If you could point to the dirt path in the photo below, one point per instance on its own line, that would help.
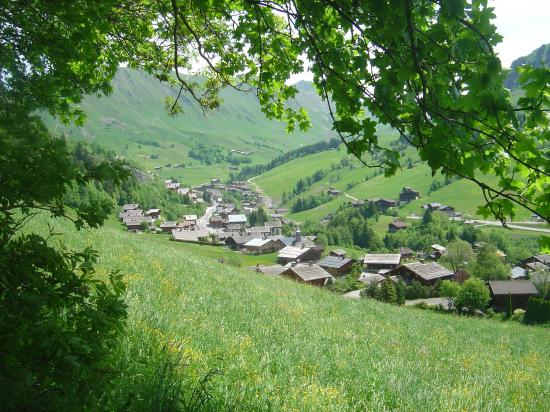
(267, 201)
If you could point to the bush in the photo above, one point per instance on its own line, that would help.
(538, 311)
(58, 324)
(473, 295)
(518, 315)
(449, 289)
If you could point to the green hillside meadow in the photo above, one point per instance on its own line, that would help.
(464, 195)
(135, 114)
(273, 344)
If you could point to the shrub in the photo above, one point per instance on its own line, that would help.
(473, 295)
(518, 315)
(387, 292)
(58, 324)
(538, 311)
(449, 289)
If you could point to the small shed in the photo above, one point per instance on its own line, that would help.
(519, 291)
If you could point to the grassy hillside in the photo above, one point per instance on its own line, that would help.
(279, 345)
(135, 114)
(465, 196)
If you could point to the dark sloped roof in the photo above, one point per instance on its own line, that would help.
(512, 287)
(308, 272)
(428, 271)
(333, 262)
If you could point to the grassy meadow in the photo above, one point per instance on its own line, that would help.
(464, 195)
(262, 343)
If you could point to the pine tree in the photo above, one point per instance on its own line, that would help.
(387, 292)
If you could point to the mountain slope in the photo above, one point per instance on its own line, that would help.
(134, 123)
(536, 58)
(279, 345)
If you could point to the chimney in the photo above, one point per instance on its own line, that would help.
(298, 236)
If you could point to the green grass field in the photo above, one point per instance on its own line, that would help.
(279, 345)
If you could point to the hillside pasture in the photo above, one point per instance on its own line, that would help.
(275, 344)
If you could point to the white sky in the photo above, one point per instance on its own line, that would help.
(524, 24)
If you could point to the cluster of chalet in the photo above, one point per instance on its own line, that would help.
(195, 193)
(227, 225)
(300, 259)
(241, 152)
(530, 266)
(135, 218)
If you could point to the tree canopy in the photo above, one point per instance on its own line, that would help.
(425, 67)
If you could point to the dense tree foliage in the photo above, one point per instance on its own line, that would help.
(473, 295)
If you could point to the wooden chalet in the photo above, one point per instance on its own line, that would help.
(376, 261)
(295, 253)
(216, 222)
(336, 266)
(236, 220)
(259, 246)
(154, 213)
(384, 204)
(333, 192)
(408, 195)
(438, 251)
(309, 273)
(135, 224)
(406, 253)
(518, 291)
(271, 270)
(396, 226)
(130, 206)
(275, 228)
(425, 273)
(338, 253)
(193, 236)
(237, 241)
(167, 227)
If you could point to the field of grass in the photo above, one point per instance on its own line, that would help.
(279, 345)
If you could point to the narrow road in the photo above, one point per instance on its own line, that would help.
(511, 226)
(351, 197)
(202, 222)
(518, 226)
(267, 201)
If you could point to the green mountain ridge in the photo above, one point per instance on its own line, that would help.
(536, 58)
(134, 123)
